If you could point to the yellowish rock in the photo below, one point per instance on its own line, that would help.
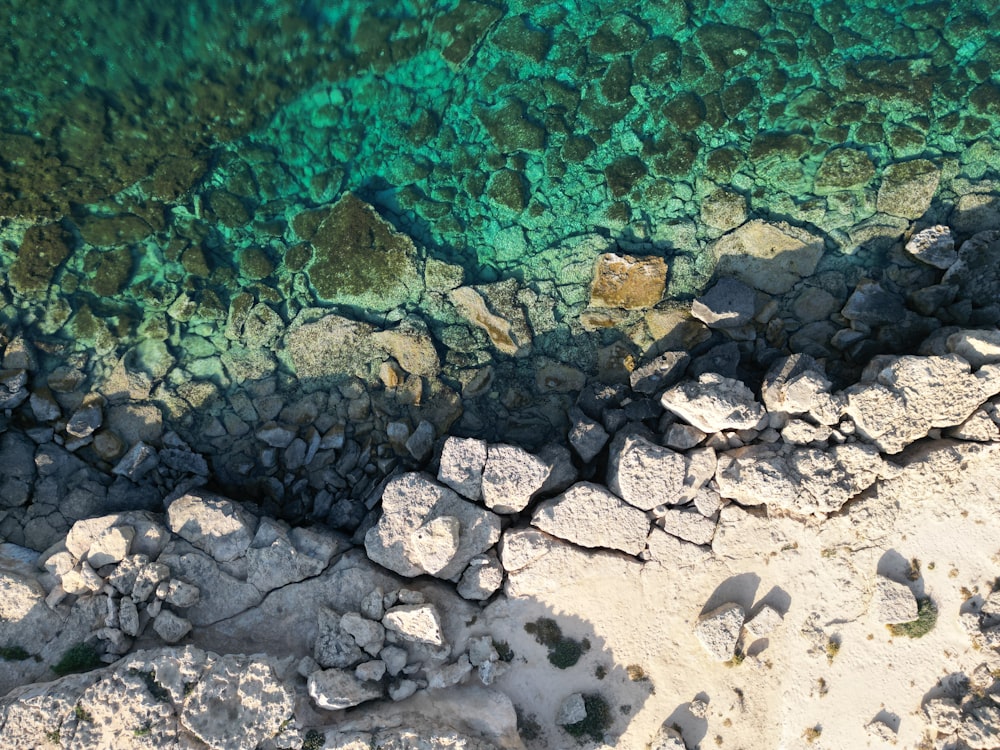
(624, 281)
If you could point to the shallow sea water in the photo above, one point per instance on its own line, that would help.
(155, 159)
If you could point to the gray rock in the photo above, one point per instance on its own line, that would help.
(871, 305)
(796, 385)
(401, 690)
(336, 689)
(87, 418)
(128, 616)
(17, 469)
(461, 468)
(586, 436)
(978, 348)
(728, 304)
(13, 388)
(719, 630)
(394, 658)
(419, 623)
(409, 502)
(714, 403)
(213, 524)
(369, 635)
(571, 710)
(644, 474)
(763, 623)
(278, 556)
(893, 602)
(590, 516)
(667, 738)
(421, 442)
(562, 472)
(147, 578)
(44, 405)
(511, 477)
(334, 647)
(137, 462)
(662, 372)
(682, 437)
(370, 671)
(934, 246)
(221, 595)
(111, 546)
(170, 627)
(181, 594)
(449, 674)
(482, 578)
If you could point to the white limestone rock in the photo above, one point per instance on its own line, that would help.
(719, 630)
(977, 347)
(336, 689)
(461, 466)
(482, 578)
(149, 539)
(571, 710)
(369, 635)
(111, 546)
(763, 623)
(409, 502)
(714, 403)
(912, 395)
(278, 555)
(511, 477)
(170, 627)
(689, 525)
(212, 523)
(728, 304)
(644, 474)
(419, 623)
(334, 646)
(521, 547)
(893, 602)
(588, 515)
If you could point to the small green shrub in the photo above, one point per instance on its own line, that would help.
(79, 658)
(53, 737)
(636, 673)
(13, 653)
(563, 652)
(314, 740)
(832, 649)
(144, 731)
(504, 651)
(597, 721)
(155, 689)
(527, 726)
(927, 614)
(812, 733)
(82, 714)
(601, 672)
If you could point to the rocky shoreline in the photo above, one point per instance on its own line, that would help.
(418, 614)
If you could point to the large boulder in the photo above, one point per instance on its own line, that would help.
(714, 403)
(408, 534)
(644, 474)
(911, 395)
(461, 466)
(213, 524)
(511, 477)
(907, 188)
(805, 481)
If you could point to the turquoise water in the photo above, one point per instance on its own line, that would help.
(167, 175)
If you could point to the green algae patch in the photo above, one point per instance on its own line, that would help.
(358, 259)
(597, 721)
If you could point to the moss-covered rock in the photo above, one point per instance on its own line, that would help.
(461, 30)
(843, 169)
(229, 209)
(108, 272)
(508, 188)
(686, 111)
(41, 252)
(358, 259)
(619, 34)
(617, 81)
(622, 174)
(726, 46)
(255, 264)
(907, 188)
(511, 128)
(520, 36)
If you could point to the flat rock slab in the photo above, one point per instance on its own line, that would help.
(415, 622)
(719, 630)
(625, 282)
(212, 523)
(411, 501)
(728, 304)
(588, 515)
(769, 257)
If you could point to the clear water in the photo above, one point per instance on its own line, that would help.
(166, 150)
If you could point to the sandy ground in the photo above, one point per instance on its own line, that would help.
(942, 512)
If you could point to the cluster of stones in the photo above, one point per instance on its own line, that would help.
(395, 645)
(965, 709)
